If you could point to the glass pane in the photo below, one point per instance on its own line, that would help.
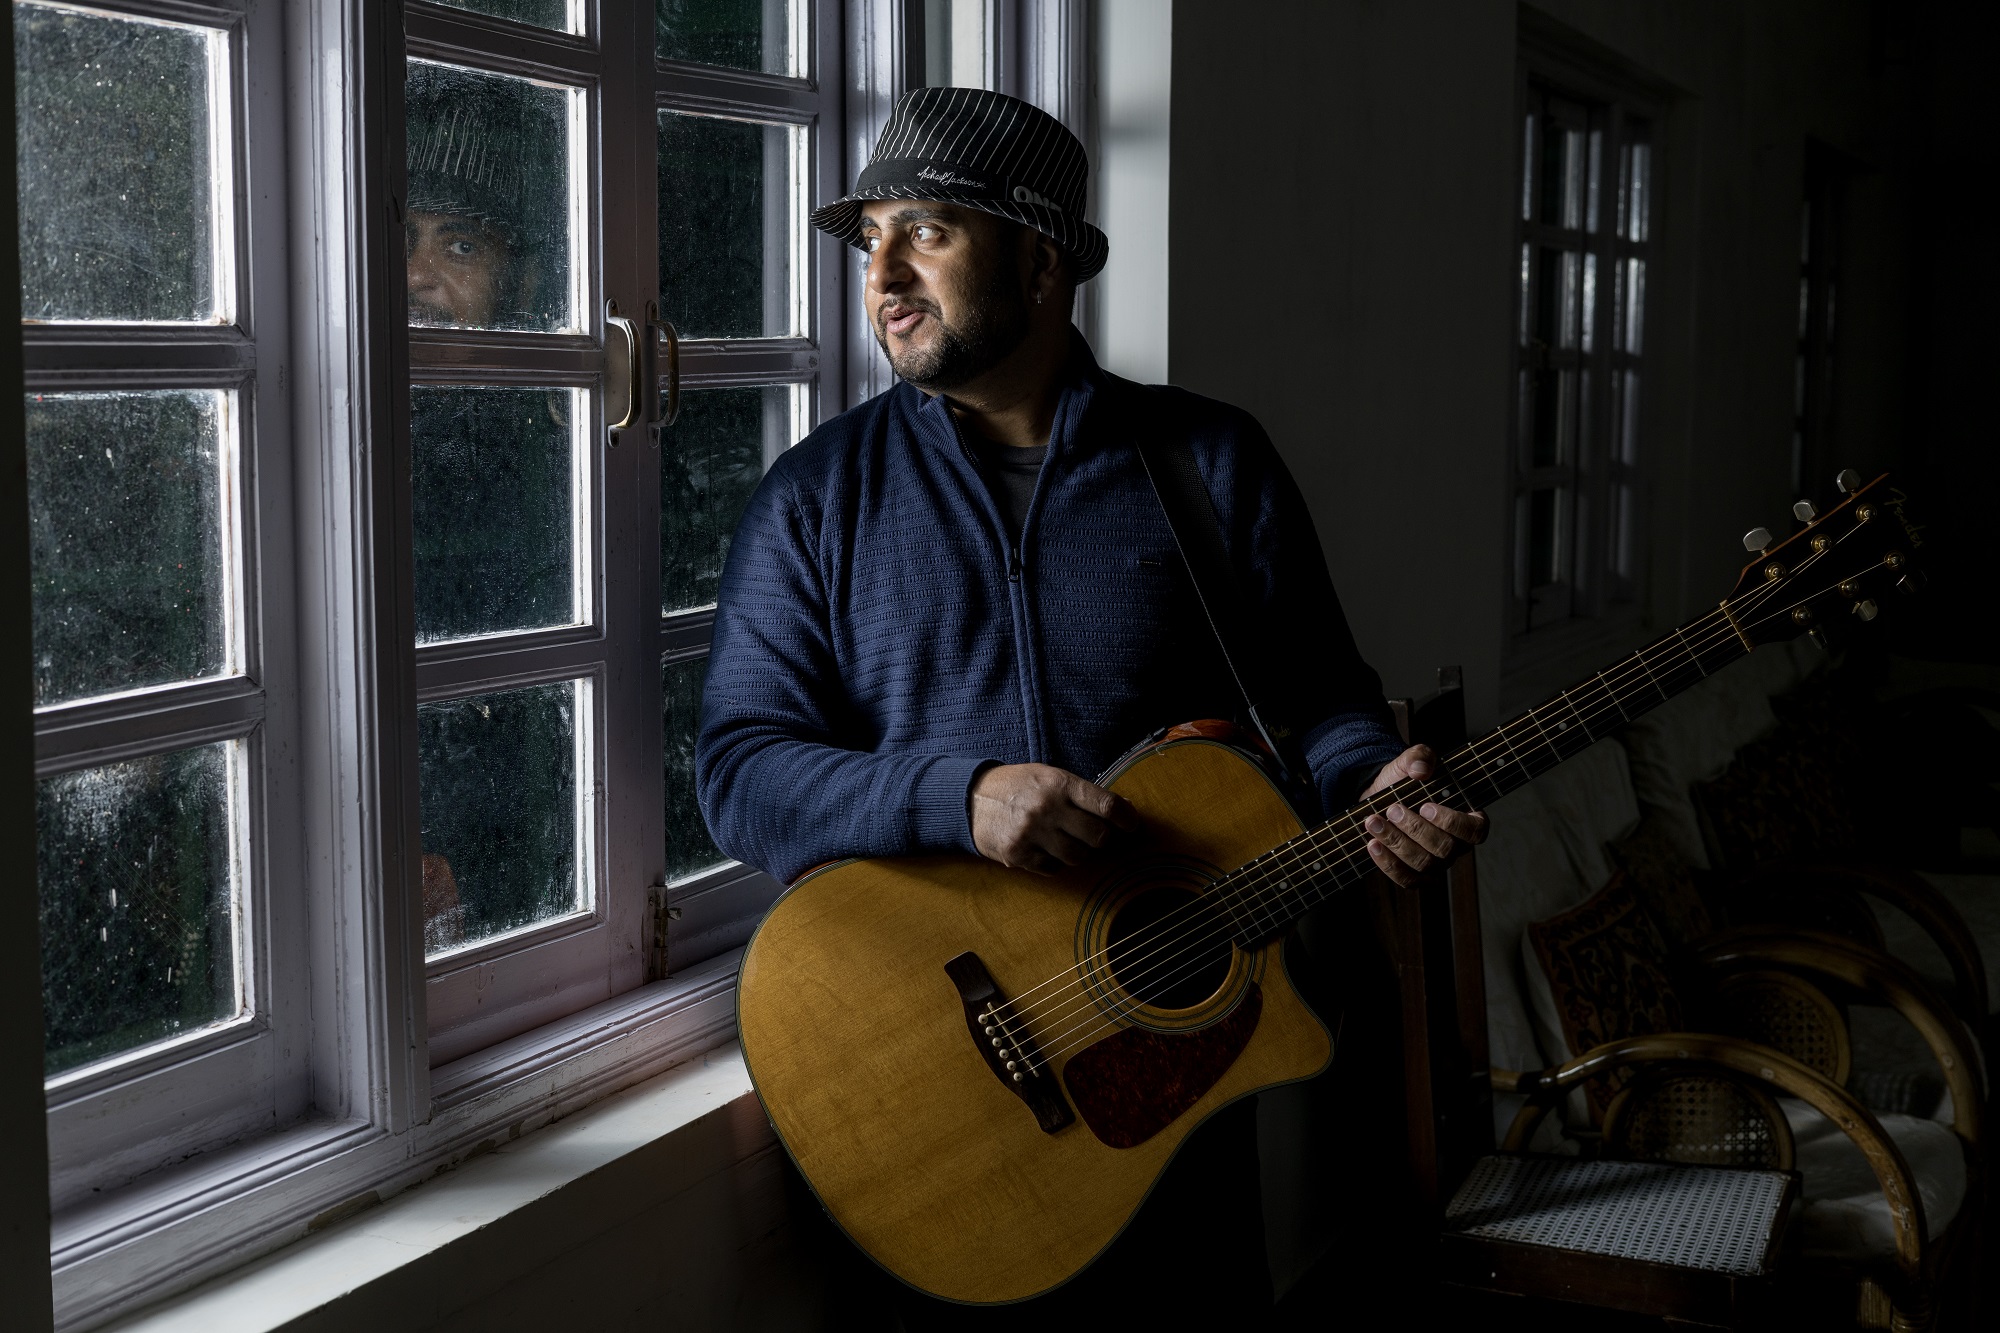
(711, 460)
(494, 507)
(113, 126)
(137, 877)
(1544, 538)
(1636, 201)
(727, 227)
(126, 523)
(1632, 305)
(689, 848)
(497, 782)
(737, 34)
(1553, 417)
(489, 226)
(558, 15)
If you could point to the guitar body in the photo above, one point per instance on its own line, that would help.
(859, 1042)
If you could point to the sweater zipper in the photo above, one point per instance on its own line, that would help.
(1016, 599)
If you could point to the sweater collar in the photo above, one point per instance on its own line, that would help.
(1083, 382)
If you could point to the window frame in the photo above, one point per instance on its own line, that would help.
(111, 1120)
(1604, 604)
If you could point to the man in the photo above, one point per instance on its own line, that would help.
(485, 219)
(945, 608)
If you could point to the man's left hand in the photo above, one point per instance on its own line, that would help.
(1405, 842)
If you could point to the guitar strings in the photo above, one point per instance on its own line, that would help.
(1352, 840)
(1355, 852)
(1070, 1042)
(1351, 847)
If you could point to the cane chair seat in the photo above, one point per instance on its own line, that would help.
(1692, 1217)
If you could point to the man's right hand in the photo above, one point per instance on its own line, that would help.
(1034, 817)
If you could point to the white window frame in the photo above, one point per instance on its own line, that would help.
(115, 1119)
(360, 1112)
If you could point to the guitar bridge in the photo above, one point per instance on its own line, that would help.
(1005, 1045)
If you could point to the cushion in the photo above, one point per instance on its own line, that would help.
(1694, 736)
(1842, 1213)
(1524, 873)
(1779, 800)
(1663, 882)
(1591, 800)
(1598, 973)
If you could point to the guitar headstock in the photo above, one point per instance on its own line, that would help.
(1841, 566)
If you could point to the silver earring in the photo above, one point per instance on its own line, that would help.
(1038, 298)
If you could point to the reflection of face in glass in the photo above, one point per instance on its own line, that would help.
(459, 269)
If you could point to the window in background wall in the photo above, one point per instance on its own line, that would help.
(1587, 206)
(1813, 441)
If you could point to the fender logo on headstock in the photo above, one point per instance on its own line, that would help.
(1894, 503)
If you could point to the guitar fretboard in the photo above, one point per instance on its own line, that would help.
(1265, 896)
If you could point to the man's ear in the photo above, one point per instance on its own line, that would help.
(1049, 265)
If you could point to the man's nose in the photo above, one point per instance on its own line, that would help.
(888, 267)
(423, 269)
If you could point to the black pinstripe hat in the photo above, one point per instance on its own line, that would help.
(987, 151)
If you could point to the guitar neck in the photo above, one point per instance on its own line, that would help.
(1265, 896)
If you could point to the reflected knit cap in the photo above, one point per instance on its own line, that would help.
(987, 151)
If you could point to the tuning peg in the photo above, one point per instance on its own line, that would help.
(1804, 512)
(1849, 481)
(1865, 609)
(1818, 636)
(1911, 583)
(1757, 540)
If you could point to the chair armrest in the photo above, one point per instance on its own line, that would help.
(1890, 980)
(1505, 1080)
(1774, 1069)
(1913, 895)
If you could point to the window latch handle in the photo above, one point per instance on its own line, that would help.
(621, 374)
(671, 405)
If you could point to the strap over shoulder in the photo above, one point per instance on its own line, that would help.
(1190, 513)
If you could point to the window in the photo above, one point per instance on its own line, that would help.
(552, 297)
(396, 378)
(1588, 187)
(158, 472)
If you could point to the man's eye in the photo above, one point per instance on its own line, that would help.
(871, 243)
(925, 233)
(462, 248)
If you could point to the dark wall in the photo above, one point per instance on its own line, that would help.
(1342, 224)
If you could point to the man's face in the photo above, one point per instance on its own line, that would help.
(457, 265)
(946, 291)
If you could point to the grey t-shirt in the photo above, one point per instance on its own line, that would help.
(1010, 475)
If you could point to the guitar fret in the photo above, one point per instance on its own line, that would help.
(1690, 652)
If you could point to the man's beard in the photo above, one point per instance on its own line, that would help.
(995, 323)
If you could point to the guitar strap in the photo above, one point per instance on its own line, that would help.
(1170, 466)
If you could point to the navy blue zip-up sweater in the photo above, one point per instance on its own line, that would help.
(879, 639)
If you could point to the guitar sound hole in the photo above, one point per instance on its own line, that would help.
(1167, 948)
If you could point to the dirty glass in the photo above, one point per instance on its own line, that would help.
(126, 523)
(689, 848)
(736, 34)
(727, 227)
(557, 15)
(488, 230)
(497, 785)
(494, 509)
(137, 889)
(711, 459)
(114, 172)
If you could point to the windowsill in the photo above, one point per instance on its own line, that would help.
(203, 1219)
(625, 1154)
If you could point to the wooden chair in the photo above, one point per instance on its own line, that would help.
(1694, 1104)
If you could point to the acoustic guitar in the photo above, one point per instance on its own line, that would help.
(981, 1072)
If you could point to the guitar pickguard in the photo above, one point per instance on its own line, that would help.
(1134, 1083)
